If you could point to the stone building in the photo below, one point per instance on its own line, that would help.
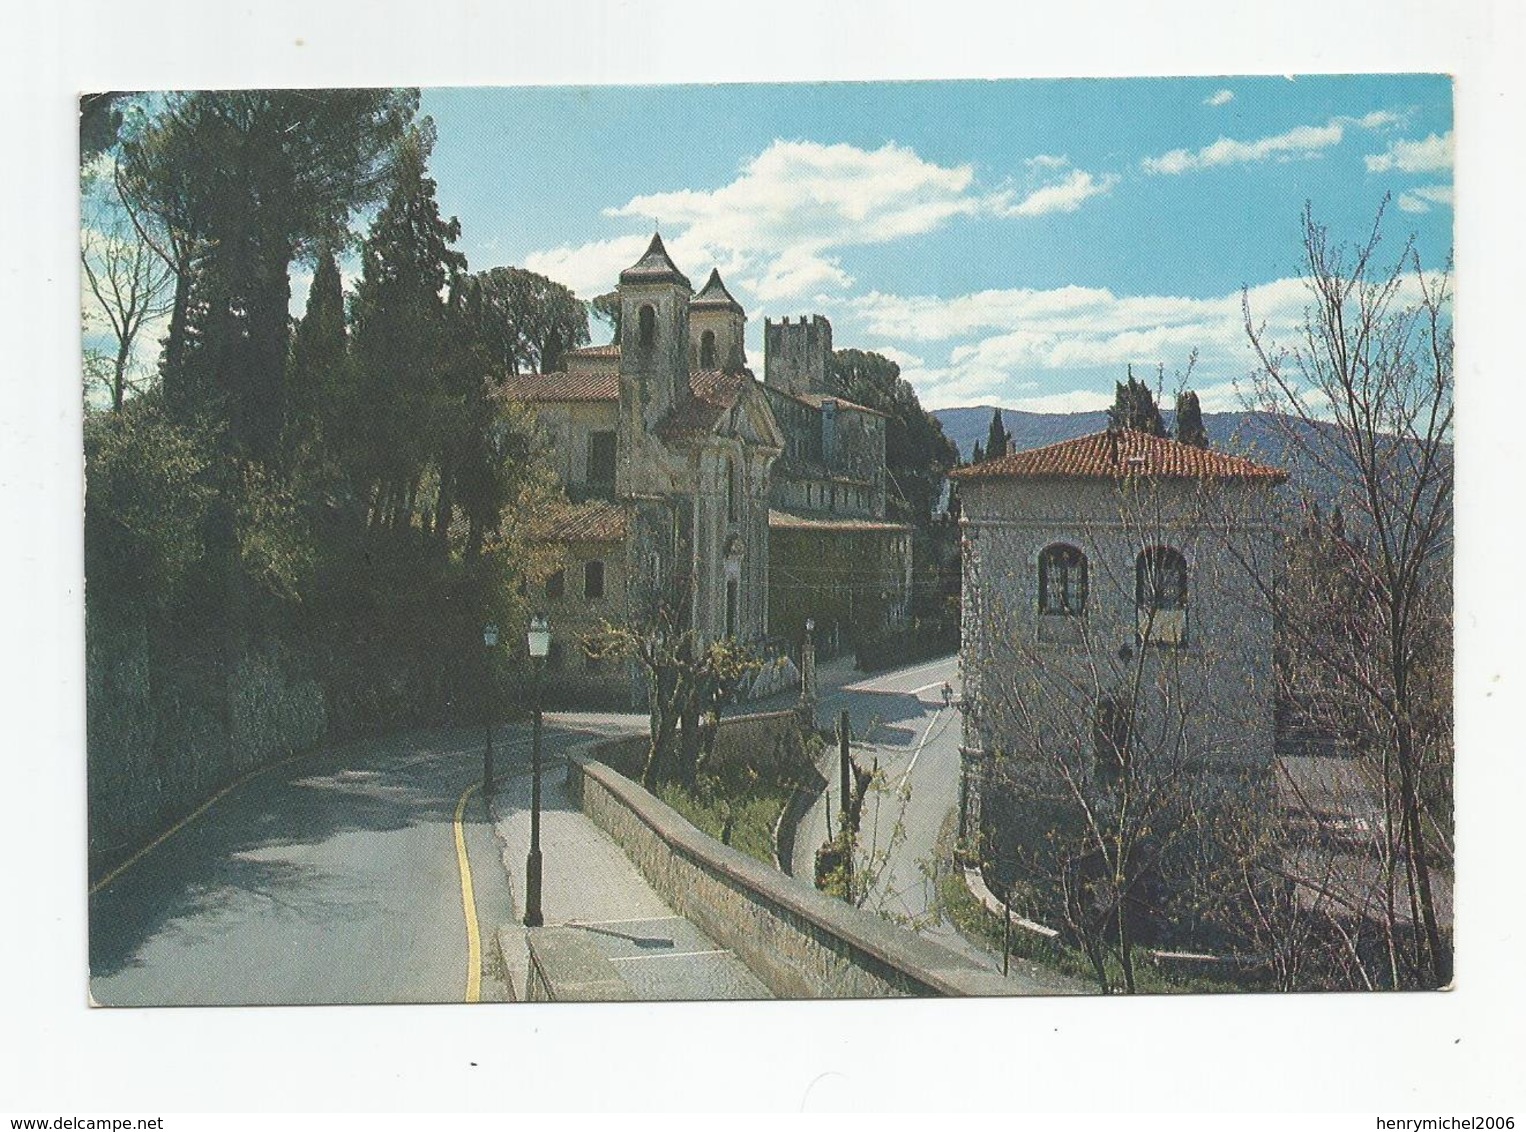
(833, 556)
(664, 443)
(1110, 613)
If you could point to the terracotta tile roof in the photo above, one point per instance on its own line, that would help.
(714, 294)
(713, 393)
(603, 386)
(1108, 455)
(654, 267)
(784, 520)
(611, 350)
(597, 520)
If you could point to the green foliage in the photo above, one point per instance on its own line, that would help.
(606, 308)
(523, 322)
(997, 437)
(147, 495)
(1189, 420)
(1134, 407)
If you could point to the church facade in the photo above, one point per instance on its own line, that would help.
(664, 443)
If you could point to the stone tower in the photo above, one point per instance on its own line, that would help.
(796, 355)
(717, 325)
(654, 335)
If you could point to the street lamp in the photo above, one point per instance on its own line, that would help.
(538, 639)
(490, 639)
(808, 670)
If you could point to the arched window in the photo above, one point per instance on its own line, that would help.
(1160, 593)
(731, 490)
(1160, 578)
(593, 579)
(646, 327)
(707, 350)
(1062, 581)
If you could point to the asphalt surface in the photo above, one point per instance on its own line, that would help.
(898, 722)
(332, 879)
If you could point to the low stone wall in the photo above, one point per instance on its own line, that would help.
(801, 943)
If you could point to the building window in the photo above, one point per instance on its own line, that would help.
(1160, 595)
(646, 327)
(601, 457)
(1062, 581)
(731, 490)
(1160, 579)
(556, 585)
(731, 608)
(707, 350)
(593, 579)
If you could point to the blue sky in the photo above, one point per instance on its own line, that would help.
(1006, 242)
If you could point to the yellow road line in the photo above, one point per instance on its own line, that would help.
(469, 907)
(183, 822)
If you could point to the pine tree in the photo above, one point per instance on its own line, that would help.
(997, 437)
(979, 456)
(1189, 420)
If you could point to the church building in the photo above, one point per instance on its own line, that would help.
(663, 442)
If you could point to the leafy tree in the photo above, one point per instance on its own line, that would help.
(979, 455)
(403, 340)
(1374, 357)
(1189, 420)
(522, 321)
(606, 308)
(997, 437)
(1134, 407)
(243, 183)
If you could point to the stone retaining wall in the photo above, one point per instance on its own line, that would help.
(799, 942)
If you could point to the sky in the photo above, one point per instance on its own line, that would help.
(1017, 243)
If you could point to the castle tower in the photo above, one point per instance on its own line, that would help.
(796, 356)
(654, 333)
(717, 326)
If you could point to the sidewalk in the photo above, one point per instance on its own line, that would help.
(588, 882)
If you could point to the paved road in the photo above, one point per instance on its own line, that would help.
(899, 720)
(333, 879)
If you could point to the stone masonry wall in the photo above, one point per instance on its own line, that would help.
(801, 943)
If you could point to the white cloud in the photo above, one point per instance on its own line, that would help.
(1421, 199)
(1219, 98)
(1065, 196)
(1301, 142)
(1001, 343)
(775, 229)
(1073, 401)
(1429, 155)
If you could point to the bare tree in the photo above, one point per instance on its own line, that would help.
(129, 284)
(1364, 394)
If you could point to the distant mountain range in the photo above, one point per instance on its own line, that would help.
(1260, 436)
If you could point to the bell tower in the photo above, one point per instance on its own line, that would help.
(717, 326)
(654, 334)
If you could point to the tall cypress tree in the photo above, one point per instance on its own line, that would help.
(997, 437)
(403, 340)
(1189, 420)
(1134, 407)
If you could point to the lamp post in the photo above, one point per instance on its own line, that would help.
(808, 673)
(539, 640)
(490, 639)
